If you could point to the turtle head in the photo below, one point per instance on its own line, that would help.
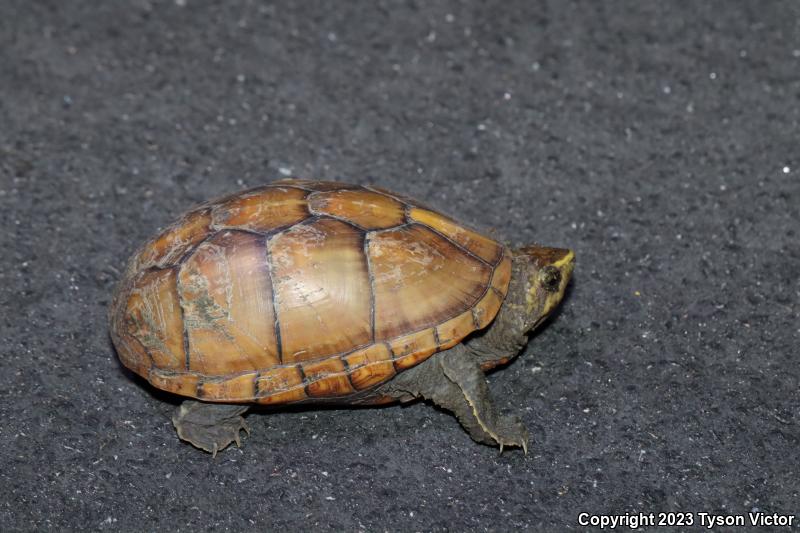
(546, 274)
(539, 277)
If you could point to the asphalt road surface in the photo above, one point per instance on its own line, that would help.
(659, 140)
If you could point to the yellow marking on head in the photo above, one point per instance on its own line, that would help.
(551, 299)
(567, 261)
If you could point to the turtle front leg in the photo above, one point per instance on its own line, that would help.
(210, 426)
(454, 380)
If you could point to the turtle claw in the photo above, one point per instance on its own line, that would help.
(510, 432)
(237, 437)
(522, 444)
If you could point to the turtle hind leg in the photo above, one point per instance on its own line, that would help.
(454, 381)
(210, 426)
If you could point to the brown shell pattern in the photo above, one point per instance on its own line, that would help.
(302, 290)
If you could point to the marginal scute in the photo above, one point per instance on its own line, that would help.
(295, 394)
(322, 289)
(451, 332)
(182, 383)
(370, 366)
(412, 349)
(262, 210)
(366, 209)
(485, 248)
(236, 387)
(281, 384)
(502, 274)
(327, 378)
(132, 354)
(420, 280)
(226, 297)
(153, 318)
(175, 241)
(486, 309)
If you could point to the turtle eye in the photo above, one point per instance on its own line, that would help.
(551, 278)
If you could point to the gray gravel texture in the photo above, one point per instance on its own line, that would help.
(657, 139)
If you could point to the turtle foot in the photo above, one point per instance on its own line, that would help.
(210, 427)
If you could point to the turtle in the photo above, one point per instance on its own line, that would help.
(303, 291)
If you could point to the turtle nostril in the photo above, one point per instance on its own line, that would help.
(551, 278)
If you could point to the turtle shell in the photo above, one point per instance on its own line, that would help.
(302, 290)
